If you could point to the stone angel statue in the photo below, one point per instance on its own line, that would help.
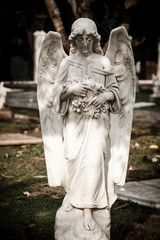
(86, 104)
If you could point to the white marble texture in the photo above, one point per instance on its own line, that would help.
(86, 105)
(39, 37)
(3, 94)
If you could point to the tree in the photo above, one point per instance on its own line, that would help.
(107, 15)
(55, 16)
(102, 12)
(80, 8)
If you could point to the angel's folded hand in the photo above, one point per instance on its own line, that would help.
(79, 89)
(85, 85)
(98, 100)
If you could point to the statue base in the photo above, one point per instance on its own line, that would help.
(69, 225)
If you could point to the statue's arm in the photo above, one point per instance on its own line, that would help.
(113, 90)
(76, 89)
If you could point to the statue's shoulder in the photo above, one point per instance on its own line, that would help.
(102, 61)
(65, 62)
(72, 57)
(73, 60)
(105, 61)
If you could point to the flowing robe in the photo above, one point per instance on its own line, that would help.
(86, 139)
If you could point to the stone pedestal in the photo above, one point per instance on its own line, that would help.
(69, 225)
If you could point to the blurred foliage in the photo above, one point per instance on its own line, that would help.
(32, 15)
(28, 14)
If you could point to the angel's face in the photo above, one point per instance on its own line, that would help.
(84, 43)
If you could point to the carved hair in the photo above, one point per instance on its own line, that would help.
(87, 26)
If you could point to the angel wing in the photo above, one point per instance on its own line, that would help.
(121, 56)
(51, 55)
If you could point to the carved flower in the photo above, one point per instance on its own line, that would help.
(81, 105)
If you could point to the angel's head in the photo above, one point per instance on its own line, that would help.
(84, 29)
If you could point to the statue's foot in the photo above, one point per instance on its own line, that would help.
(89, 223)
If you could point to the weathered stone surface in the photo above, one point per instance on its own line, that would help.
(39, 36)
(146, 118)
(22, 99)
(145, 193)
(143, 104)
(18, 139)
(26, 117)
(69, 225)
(76, 94)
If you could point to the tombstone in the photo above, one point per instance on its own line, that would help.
(4, 113)
(3, 93)
(22, 99)
(86, 109)
(18, 139)
(38, 40)
(155, 96)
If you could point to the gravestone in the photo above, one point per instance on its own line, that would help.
(18, 139)
(38, 40)
(22, 99)
(155, 97)
(146, 193)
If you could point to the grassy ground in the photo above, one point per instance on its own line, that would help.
(28, 205)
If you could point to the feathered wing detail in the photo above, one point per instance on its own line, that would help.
(51, 55)
(121, 56)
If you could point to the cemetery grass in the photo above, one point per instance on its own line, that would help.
(28, 205)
